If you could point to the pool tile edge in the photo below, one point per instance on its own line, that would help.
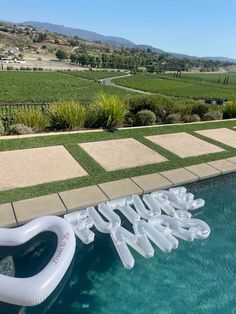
(107, 191)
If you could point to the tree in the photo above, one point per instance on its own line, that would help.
(73, 57)
(61, 55)
(38, 38)
(74, 43)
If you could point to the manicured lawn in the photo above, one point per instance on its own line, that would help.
(96, 173)
(189, 85)
(95, 75)
(48, 87)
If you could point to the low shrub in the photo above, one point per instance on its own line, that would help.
(19, 129)
(129, 120)
(209, 101)
(145, 117)
(213, 115)
(107, 111)
(2, 129)
(160, 105)
(8, 112)
(173, 118)
(220, 101)
(185, 106)
(67, 115)
(191, 118)
(32, 118)
(230, 111)
(200, 109)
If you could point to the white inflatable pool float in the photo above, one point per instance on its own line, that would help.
(34, 290)
(160, 218)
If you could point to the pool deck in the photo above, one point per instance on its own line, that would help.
(85, 169)
(17, 213)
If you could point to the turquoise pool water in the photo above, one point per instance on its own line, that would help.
(198, 277)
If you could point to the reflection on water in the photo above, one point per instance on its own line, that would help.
(198, 277)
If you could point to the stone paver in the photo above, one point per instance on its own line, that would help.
(151, 182)
(184, 144)
(223, 135)
(232, 159)
(35, 207)
(203, 171)
(83, 197)
(120, 188)
(121, 154)
(7, 218)
(34, 166)
(224, 165)
(179, 176)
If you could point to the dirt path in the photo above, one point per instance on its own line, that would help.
(130, 89)
(108, 81)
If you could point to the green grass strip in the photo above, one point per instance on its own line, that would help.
(96, 174)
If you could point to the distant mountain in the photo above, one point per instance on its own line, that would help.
(88, 35)
(222, 59)
(157, 50)
(111, 40)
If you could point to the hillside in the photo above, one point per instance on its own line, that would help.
(88, 35)
(111, 40)
(39, 48)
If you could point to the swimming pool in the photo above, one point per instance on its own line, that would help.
(198, 277)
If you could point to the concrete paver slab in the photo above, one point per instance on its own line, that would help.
(232, 159)
(27, 167)
(151, 182)
(83, 197)
(179, 176)
(7, 217)
(223, 165)
(35, 207)
(120, 188)
(184, 145)
(223, 135)
(203, 170)
(121, 154)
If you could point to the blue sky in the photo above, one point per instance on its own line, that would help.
(195, 27)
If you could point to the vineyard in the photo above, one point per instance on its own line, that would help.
(44, 87)
(200, 85)
(95, 75)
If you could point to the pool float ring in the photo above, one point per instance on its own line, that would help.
(34, 290)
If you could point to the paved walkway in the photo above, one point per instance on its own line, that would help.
(223, 135)
(122, 154)
(20, 212)
(28, 167)
(184, 144)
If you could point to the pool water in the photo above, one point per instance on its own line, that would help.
(198, 277)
